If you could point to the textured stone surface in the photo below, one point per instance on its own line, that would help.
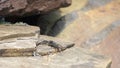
(109, 45)
(79, 26)
(30, 7)
(17, 40)
(11, 31)
(93, 27)
(71, 58)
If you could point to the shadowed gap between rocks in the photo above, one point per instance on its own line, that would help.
(45, 21)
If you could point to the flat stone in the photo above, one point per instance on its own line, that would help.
(21, 46)
(12, 31)
(72, 58)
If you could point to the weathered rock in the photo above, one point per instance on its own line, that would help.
(109, 45)
(90, 27)
(93, 4)
(30, 7)
(71, 58)
(12, 31)
(79, 26)
(17, 40)
(32, 46)
(21, 46)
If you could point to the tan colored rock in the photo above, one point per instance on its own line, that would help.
(80, 26)
(21, 46)
(71, 58)
(17, 40)
(76, 5)
(12, 31)
(110, 46)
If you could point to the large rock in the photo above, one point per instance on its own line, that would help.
(72, 58)
(30, 7)
(108, 42)
(89, 27)
(79, 26)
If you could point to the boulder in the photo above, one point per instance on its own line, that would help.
(30, 7)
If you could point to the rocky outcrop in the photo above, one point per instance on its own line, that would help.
(79, 26)
(109, 45)
(94, 27)
(26, 50)
(30, 7)
(24, 40)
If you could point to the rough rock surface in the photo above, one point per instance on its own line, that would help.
(14, 52)
(71, 58)
(21, 40)
(109, 45)
(20, 46)
(17, 30)
(30, 7)
(84, 27)
(90, 26)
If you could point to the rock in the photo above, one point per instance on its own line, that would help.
(26, 46)
(47, 45)
(21, 46)
(93, 29)
(81, 58)
(30, 7)
(93, 4)
(17, 40)
(109, 45)
(72, 58)
(76, 5)
(80, 26)
(100, 36)
(18, 30)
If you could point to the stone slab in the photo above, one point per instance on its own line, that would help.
(12, 31)
(21, 46)
(71, 58)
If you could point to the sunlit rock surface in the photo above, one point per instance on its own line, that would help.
(17, 30)
(91, 25)
(19, 52)
(71, 58)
